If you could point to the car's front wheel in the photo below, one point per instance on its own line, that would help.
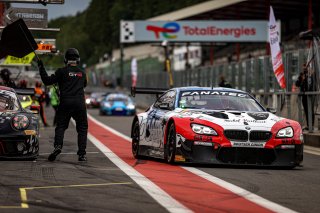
(136, 140)
(170, 151)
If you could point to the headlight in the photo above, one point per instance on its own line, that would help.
(205, 130)
(131, 106)
(88, 101)
(285, 133)
(20, 122)
(106, 104)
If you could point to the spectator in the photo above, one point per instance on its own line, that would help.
(6, 80)
(305, 83)
(224, 83)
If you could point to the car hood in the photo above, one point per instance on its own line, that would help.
(233, 119)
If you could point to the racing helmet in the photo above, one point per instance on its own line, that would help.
(72, 54)
(5, 74)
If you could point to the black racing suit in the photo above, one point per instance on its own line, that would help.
(71, 81)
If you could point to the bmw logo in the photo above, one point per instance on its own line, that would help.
(247, 128)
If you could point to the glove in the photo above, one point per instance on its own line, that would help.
(40, 64)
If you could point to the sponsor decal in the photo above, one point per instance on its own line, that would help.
(201, 143)
(30, 132)
(75, 74)
(288, 141)
(248, 144)
(202, 138)
(210, 92)
(167, 30)
(179, 158)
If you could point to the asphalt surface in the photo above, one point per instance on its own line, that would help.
(297, 189)
(67, 185)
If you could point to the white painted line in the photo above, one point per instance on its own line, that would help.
(233, 188)
(311, 150)
(163, 198)
(240, 191)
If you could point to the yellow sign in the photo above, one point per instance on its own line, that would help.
(11, 60)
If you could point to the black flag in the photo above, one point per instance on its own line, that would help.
(17, 40)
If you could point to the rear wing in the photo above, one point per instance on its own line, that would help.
(143, 90)
(25, 91)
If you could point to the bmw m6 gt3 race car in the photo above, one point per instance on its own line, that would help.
(216, 126)
(19, 128)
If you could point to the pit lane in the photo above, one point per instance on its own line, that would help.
(296, 189)
(67, 185)
(99, 186)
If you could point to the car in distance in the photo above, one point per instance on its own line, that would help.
(117, 104)
(94, 99)
(216, 126)
(19, 129)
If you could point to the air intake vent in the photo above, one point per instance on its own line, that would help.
(260, 135)
(238, 135)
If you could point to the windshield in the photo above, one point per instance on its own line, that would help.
(113, 98)
(8, 101)
(218, 100)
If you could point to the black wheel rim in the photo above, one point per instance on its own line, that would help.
(171, 145)
(135, 140)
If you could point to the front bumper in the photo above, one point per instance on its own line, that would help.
(19, 147)
(216, 154)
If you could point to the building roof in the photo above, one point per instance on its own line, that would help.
(195, 10)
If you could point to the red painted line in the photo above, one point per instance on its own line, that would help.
(196, 193)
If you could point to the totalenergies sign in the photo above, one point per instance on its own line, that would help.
(197, 31)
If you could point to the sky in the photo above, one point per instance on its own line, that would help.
(70, 7)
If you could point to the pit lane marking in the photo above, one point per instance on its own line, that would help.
(163, 198)
(23, 191)
(311, 150)
(68, 153)
(24, 199)
(274, 207)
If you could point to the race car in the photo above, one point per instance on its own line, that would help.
(95, 99)
(215, 126)
(117, 104)
(19, 129)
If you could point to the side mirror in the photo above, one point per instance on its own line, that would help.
(35, 109)
(164, 106)
(272, 110)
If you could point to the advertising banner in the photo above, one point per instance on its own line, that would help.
(274, 40)
(194, 31)
(134, 72)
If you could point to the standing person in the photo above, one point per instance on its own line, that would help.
(6, 80)
(54, 101)
(40, 95)
(224, 83)
(305, 83)
(71, 81)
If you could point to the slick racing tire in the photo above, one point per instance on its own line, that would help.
(170, 151)
(135, 140)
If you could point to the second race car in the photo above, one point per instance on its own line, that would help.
(216, 126)
(117, 104)
(19, 129)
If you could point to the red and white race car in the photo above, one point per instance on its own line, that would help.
(218, 126)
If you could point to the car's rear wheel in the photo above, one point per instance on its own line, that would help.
(136, 140)
(171, 145)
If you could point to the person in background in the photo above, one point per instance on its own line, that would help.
(54, 101)
(40, 95)
(224, 83)
(6, 80)
(305, 83)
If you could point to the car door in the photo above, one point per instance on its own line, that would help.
(164, 105)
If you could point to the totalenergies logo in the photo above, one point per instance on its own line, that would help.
(167, 30)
